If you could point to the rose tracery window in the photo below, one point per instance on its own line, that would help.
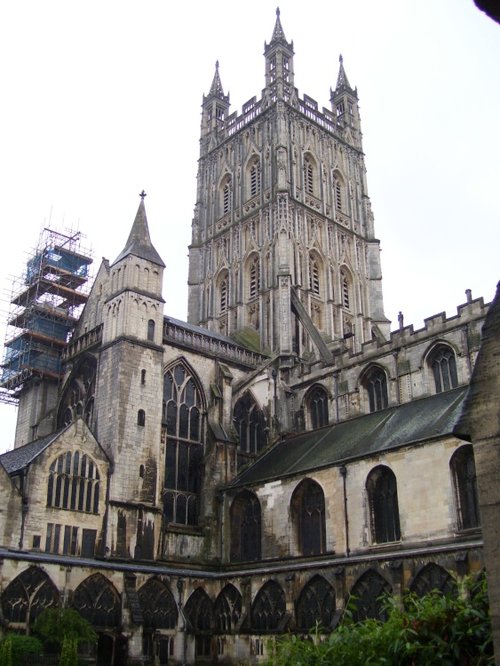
(183, 408)
(74, 483)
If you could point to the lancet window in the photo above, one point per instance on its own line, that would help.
(463, 470)
(381, 488)
(74, 483)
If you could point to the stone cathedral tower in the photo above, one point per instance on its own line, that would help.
(283, 240)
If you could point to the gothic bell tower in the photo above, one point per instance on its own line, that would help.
(283, 247)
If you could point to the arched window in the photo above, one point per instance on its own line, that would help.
(143, 377)
(141, 418)
(159, 609)
(268, 612)
(375, 382)
(227, 610)
(381, 488)
(309, 175)
(200, 616)
(254, 177)
(73, 483)
(78, 396)
(223, 289)
(433, 577)
(253, 277)
(345, 287)
(226, 195)
(97, 600)
(28, 595)
(317, 406)
(316, 605)
(250, 426)
(184, 448)
(314, 275)
(338, 191)
(368, 594)
(308, 515)
(151, 329)
(245, 528)
(463, 471)
(444, 368)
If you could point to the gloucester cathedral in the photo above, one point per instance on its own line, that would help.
(196, 488)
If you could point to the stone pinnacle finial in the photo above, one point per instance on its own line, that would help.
(142, 195)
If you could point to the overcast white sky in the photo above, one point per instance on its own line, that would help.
(101, 99)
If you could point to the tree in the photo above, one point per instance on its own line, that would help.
(57, 625)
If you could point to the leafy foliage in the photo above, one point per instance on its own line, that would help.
(55, 625)
(69, 652)
(15, 647)
(433, 629)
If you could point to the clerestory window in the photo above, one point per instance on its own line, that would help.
(444, 368)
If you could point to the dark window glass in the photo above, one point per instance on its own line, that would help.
(308, 511)
(317, 401)
(444, 368)
(463, 471)
(316, 605)
(227, 610)
(245, 528)
(433, 577)
(368, 593)
(250, 426)
(376, 384)
(382, 493)
(73, 477)
(268, 609)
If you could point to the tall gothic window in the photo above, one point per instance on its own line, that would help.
(381, 488)
(345, 287)
(199, 613)
(159, 609)
(338, 191)
(78, 396)
(226, 195)
(250, 426)
(73, 483)
(317, 406)
(254, 177)
(223, 285)
(463, 470)
(368, 594)
(308, 515)
(444, 368)
(151, 329)
(316, 605)
(314, 275)
(375, 382)
(245, 527)
(309, 175)
(253, 277)
(227, 610)
(184, 448)
(28, 595)
(268, 612)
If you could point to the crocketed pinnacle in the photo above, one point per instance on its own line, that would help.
(216, 89)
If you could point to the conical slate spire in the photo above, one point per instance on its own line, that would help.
(342, 81)
(139, 242)
(216, 89)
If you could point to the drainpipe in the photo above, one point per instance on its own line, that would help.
(343, 474)
(24, 506)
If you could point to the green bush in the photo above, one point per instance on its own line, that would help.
(433, 629)
(16, 647)
(55, 625)
(69, 653)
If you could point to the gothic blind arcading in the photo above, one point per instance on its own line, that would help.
(368, 593)
(183, 405)
(382, 494)
(250, 426)
(444, 368)
(463, 470)
(73, 483)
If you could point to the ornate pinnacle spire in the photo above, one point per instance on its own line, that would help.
(216, 89)
(342, 81)
(278, 33)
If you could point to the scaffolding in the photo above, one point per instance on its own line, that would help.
(45, 305)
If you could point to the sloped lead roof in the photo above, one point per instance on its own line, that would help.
(410, 423)
(139, 242)
(17, 459)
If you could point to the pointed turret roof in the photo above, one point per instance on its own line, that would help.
(216, 89)
(342, 80)
(139, 242)
(278, 32)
